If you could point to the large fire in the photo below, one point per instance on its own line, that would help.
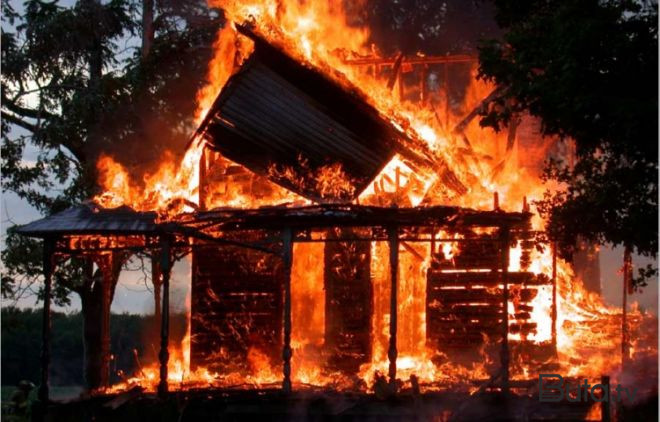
(319, 33)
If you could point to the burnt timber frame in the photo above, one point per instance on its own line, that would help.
(172, 239)
(377, 63)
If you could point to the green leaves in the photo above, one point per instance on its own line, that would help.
(74, 85)
(588, 70)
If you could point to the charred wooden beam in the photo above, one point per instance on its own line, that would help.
(85, 228)
(47, 262)
(335, 215)
(627, 284)
(487, 279)
(414, 60)
(395, 72)
(393, 234)
(445, 84)
(164, 355)
(496, 93)
(202, 186)
(505, 358)
(554, 295)
(287, 258)
(605, 414)
(156, 280)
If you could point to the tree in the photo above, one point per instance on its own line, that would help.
(588, 70)
(77, 82)
(430, 26)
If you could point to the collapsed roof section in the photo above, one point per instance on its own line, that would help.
(291, 123)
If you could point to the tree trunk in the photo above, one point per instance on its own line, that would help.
(95, 62)
(96, 371)
(92, 146)
(586, 264)
(96, 300)
(147, 26)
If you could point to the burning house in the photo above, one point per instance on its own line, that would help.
(331, 244)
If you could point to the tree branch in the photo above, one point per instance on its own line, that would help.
(27, 112)
(19, 122)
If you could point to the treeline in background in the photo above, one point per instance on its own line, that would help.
(21, 344)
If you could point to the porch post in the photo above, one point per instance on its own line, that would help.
(106, 263)
(605, 414)
(164, 355)
(627, 282)
(287, 255)
(48, 249)
(554, 295)
(504, 245)
(393, 239)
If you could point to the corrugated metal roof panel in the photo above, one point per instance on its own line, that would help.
(90, 219)
(277, 114)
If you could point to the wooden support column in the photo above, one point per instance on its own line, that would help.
(504, 245)
(287, 258)
(48, 249)
(605, 404)
(627, 282)
(203, 167)
(156, 280)
(393, 239)
(445, 83)
(423, 96)
(164, 355)
(106, 266)
(554, 295)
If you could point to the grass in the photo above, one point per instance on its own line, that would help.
(57, 392)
